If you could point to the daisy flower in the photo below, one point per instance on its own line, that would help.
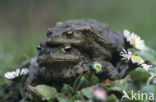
(96, 66)
(134, 40)
(99, 94)
(126, 34)
(134, 59)
(125, 55)
(137, 60)
(146, 66)
(24, 71)
(16, 73)
(140, 60)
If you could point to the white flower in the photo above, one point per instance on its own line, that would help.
(134, 59)
(140, 60)
(99, 94)
(134, 40)
(126, 34)
(24, 71)
(137, 60)
(9, 75)
(146, 66)
(97, 67)
(125, 55)
(16, 73)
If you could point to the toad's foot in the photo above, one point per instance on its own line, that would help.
(109, 70)
(123, 69)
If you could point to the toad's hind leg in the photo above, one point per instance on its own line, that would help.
(110, 70)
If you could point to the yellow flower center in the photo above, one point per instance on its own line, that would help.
(98, 67)
(140, 59)
(135, 57)
(134, 43)
(133, 38)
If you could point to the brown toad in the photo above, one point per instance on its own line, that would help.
(92, 37)
(72, 42)
(56, 63)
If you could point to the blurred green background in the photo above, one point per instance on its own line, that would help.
(24, 23)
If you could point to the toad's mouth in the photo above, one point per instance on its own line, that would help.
(60, 53)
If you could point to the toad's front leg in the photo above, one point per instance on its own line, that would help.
(109, 70)
(31, 77)
(34, 74)
(123, 69)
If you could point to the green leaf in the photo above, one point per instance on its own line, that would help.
(46, 92)
(148, 89)
(139, 75)
(87, 92)
(80, 82)
(127, 86)
(68, 90)
(93, 80)
(112, 98)
(60, 99)
(153, 70)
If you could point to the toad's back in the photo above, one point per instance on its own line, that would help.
(113, 41)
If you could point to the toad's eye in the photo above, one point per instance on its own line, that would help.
(67, 48)
(69, 35)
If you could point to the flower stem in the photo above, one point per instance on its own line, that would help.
(150, 79)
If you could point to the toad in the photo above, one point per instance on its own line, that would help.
(56, 63)
(93, 38)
